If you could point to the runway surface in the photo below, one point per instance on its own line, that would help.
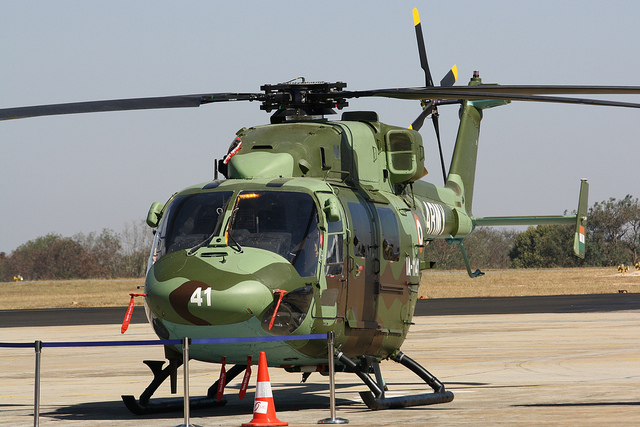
(557, 361)
(426, 307)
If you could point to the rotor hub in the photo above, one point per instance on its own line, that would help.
(299, 100)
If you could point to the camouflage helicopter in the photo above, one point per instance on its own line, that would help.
(319, 226)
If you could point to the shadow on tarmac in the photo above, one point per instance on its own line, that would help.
(295, 397)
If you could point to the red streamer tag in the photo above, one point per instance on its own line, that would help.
(275, 311)
(129, 313)
(222, 380)
(245, 380)
(127, 316)
(232, 153)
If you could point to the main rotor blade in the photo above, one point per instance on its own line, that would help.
(487, 92)
(551, 89)
(124, 104)
(492, 91)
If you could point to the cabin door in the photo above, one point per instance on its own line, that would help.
(363, 264)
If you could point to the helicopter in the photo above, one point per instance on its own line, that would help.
(318, 226)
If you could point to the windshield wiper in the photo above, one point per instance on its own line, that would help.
(206, 241)
(237, 248)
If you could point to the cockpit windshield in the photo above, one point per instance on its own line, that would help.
(281, 222)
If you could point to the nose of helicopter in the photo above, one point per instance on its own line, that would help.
(217, 290)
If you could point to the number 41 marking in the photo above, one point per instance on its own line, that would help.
(196, 297)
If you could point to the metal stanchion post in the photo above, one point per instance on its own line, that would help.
(332, 384)
(36, 399)
(185, 363)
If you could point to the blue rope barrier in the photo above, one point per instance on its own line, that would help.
(168, 342)
(111, 343)
(16, 344)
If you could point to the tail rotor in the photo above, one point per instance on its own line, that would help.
(430, 106)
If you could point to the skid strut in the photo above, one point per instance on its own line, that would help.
(375, 398)
(144, 405)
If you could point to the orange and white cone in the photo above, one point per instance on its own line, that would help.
(264, 411)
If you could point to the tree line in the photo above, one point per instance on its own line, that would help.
(104, 255)
(612, 238)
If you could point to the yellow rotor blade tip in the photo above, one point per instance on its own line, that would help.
(455, 71)
(416, 17)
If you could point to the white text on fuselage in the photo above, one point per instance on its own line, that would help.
(434, 218)
(412, 266)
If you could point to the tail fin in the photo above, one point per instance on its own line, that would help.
(462, 172)
(581, 219)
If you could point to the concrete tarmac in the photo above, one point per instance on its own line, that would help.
(504, 369)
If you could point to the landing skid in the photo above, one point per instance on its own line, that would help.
(144, 405)
(375, 398)
(169, 405)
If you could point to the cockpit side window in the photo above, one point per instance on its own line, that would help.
(335, 255)
(390, 234)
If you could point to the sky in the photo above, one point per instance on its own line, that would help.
(83, 173)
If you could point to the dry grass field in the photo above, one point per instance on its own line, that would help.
(524, 282)
(436, 284)
(68, 293)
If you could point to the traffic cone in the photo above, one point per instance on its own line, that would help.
(264, 411)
